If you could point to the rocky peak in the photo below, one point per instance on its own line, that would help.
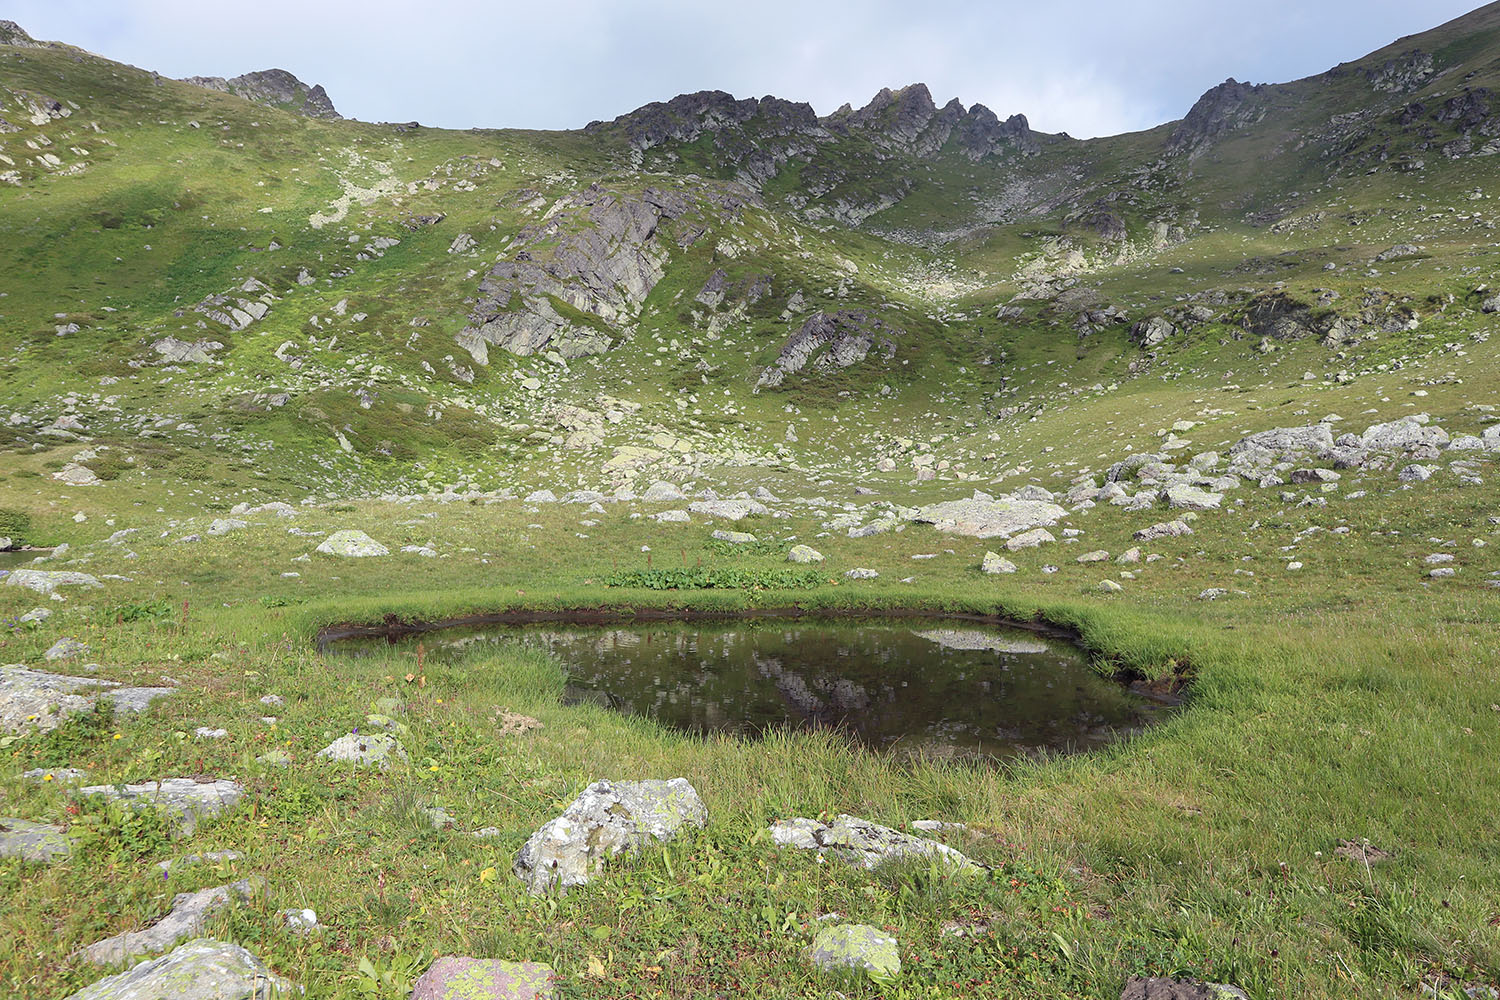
(1218, 111)
(981, 132)
(12, 33)
(275, 87)
(687, 116)
(909, 119)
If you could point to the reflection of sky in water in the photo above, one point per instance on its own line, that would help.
(937, 688)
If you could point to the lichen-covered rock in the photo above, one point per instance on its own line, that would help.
(366, 750)
(998, 518)
(1030, 539)
(729, 510)
(607, 819)
(458, 978)
(65, 649)
(46, 581)
(662, 492)
(189, 911)
(352, 543)
(184, 800)
(1409, 432)
(1164, 529)
(1184, 497)
(994, 563)
(804, 554)
(36, 699)
(856, 946)
(733, 537)
(862, 843)
(21, 838)
(202, 969)
(1285, 441)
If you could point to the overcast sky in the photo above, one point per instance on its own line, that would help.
(1088, 67)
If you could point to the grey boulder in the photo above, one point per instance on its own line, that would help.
(352, 543)
(459, 978)
(202, 969)
(189, 911)
(856, 946)
(46, 581)
(184, 800)
(999, 518)
(365, 750)
(607, 819)
(862, 843)
(21, 838)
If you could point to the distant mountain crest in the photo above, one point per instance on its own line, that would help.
(12, 33)
(275, 87)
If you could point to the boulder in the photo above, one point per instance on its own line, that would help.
(1286, 441)
(733, 537)
(65, 649)
(998, 518)
(856, 946)
(1185, 497)
(671, 517)
(1163, 529)
(607, 819)
(1151, 332)
(352, 543)
(202, 969)
(861, 573)
(77, 475)
(662, 492)
(189, 911)
(21, 838)
(456, 978)
(862, 843)
(1403, 435)
(46, 581)
(804, 554)
(365, 750)
(224, 525)
(183, 800)
(1098, 555)
(730, 510)
(995, 563)
(1030, 539)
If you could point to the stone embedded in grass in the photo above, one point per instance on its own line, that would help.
(206, 733)
(1442, 572)
(74, 474)
(189, 911)
(61, 775)
(862, 843)
(856, 946)
(1108, 587)
(990, 518)
(1163, 529)
(804, 554)
(301, 921)
(1416, 473)
(459, 978)
(733, 537)
(662, 492)
(1030, 539)
(47, 581)
(34, 698)
(21, 838)
(607, 819)
(541, 496)
(861, 573)
(65, 649)
(202, 969)
(134, 701)
(729, 510)
(209, 857)
(1159, 988)
(224, 525)
(672, 517)
(1098, 555)
(353, 544)
(372, 750)
(183, 800)
(1184, 497)
(275, 758)
(995, 563)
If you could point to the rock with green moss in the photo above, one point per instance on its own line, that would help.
(856, 946)
(459, 978)
(189, 911)
(804, 554)
(183, 800)
(20, 838)
(372, 750)
(201, 969)
(607, 819)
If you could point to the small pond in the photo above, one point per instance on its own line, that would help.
(20, 558)
(932, 687)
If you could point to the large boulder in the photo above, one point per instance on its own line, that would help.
(189, 911)
(352, 543)
(46, 581)
(662, 492)
(1286, 441)
(1181, 496)
(1164, 529)
(804, 554)
(998, 518)
(730, 510)
(36, 699)
(607, 819)
(1403, 435)
(994, 563)
(77, 475)
(862, 843)
(202, 969)
(458, 978)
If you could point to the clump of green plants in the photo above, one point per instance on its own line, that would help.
(702, 578)
(15, 525)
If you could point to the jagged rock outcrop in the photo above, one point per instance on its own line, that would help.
(1220, 110)
(981, 133)
(13, 34)
(832, 340)
(277, 88)
(604, 253)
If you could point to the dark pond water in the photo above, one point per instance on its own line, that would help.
(20, 559)
(937, 688)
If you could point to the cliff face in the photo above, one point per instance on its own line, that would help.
(276, 87)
